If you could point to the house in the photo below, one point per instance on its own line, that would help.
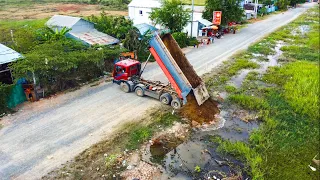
(139, 10)
(197, 23)
(7, 55)
(139, 13)
(81, 30)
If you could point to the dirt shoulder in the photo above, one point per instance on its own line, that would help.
(40, 11)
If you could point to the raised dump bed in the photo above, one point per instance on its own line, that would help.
(177, 68)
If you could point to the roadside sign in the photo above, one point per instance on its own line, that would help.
(217, 17)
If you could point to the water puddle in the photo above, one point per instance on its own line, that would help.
(301, 30)
(237, 80)
(197, 157)
(179, 160)
(264, 65)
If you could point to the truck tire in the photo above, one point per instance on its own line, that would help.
(139, 91)
(166, 98)
(125, 87)
(176, 103)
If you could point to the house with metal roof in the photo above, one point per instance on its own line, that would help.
(7, 55)
(139, 13)
(81, 30)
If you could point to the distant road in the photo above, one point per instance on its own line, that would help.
(44, 135)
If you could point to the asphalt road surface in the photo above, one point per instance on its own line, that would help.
(43, 135)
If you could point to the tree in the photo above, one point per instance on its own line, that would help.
(134, 41)
(231, 10)
(116, 26)
(171, 15)
(282, 4)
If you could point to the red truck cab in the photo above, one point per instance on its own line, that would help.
(125, 69)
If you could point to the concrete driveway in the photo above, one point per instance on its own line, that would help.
(43, 135)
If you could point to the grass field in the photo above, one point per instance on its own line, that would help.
(286, 99)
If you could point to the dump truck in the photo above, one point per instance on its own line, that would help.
(176, 67)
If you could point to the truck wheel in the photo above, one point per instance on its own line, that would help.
(166, 98)
(139, 91)
(125, 87)
(176, 103)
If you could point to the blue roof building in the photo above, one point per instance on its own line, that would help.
(7, 55)
(81, 30)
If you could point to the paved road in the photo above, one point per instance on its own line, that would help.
(45, 134)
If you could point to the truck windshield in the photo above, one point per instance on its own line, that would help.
(120, 69)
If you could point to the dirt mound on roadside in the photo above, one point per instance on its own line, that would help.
(201, 114)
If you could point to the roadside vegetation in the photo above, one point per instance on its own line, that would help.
(286, 99)
(106, 158)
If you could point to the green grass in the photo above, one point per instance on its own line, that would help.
(141, 133)
(288, 138)
(300, 82)
(248, 102)
(230, 89)
(263, 47)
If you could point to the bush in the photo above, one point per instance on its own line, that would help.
(64, 64)
(181, 39)
(4, 94)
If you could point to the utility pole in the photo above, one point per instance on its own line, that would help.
(256, 8)
(192, 18)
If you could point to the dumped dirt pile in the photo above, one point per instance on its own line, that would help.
(181, 60)
(201, 114)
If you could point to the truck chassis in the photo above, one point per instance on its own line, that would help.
(155, 89)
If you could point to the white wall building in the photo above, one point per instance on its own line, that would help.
(139, 12)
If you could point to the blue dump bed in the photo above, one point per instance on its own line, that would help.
(177, 68)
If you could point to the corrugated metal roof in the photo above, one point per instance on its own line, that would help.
(205, 22)
(8, 55)
(62, 21)
(93, 37)
(144, 27)
(145, 3)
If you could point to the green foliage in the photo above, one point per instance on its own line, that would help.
(111, 160)
(263, 47)
(248, 102)
(24, 34)
(263, 11)
(243, 152)
(241, 64)
(138, 136)
(288, 138)
(116, 26)
(300, 81)
(171, 15)
(5, 91)
(47, 34)
(141, 133)
(197, 169)
(231, 11)
(181, 38)
(134, 41)
(230, 89)
(282, 4)
(166, 119)
(63, 64)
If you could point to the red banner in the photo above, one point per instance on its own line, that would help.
(217, 17)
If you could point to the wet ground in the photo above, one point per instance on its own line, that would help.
(198, 158)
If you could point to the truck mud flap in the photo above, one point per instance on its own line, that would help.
(201, 94)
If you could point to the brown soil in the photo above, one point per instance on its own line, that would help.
(40, 11)
(206, 113)
(181, 60)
